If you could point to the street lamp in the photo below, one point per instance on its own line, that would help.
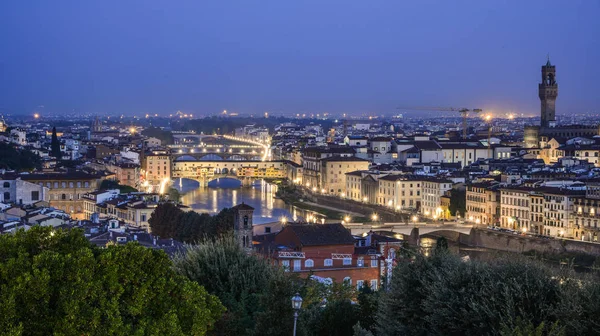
(374, 217)
(296, 305)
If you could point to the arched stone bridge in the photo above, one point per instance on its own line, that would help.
(411, 232)
(245, 171)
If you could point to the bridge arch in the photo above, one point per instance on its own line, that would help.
(211, 157)
(211, 182)
(185, 158)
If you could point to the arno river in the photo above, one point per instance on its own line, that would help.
(225, 193)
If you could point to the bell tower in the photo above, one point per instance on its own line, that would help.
(548, 91)
(242, 225)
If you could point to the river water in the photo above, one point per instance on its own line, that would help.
(227, 192)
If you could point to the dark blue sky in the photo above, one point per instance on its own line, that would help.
(201, 57)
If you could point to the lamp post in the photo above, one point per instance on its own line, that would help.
(296, 305)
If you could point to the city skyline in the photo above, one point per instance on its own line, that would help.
(337, 57)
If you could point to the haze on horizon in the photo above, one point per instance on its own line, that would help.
(137, 57)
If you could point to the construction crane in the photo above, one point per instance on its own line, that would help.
(464, 112)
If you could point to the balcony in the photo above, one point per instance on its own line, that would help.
(294, 255)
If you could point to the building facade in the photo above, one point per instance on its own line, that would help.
(483, 203)
(334, 170)
(431, 192)
(157, 166)
(66, 189)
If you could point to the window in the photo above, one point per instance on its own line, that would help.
(78, 184)
(35, 195)
(246, 222)
(63, 185)
(328, 262)
(71, 185)
(7, 196)
(63, 197)
(360, 262)
(309, 263)
(297, 264)
(373, 262)
(348, 280)
(359, 284)
(143, 217)
(374, 284)
(6, 184)
(86, 184)
(285, 264)
(347, 261)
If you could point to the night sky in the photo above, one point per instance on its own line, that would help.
(290, 56)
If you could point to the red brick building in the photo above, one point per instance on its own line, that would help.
(328, 251)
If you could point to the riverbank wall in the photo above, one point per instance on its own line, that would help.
(505, 241)
(384, 214)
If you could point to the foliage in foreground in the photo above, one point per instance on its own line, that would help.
(442, 295)
(256, 293)
(55, 282)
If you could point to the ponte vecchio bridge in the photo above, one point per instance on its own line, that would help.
(246, 171)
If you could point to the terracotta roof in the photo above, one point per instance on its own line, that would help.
(322, 234)
(342, 158)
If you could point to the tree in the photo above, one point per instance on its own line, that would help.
(222, 222)
(442, 295)
(12, 158)
(165, 137)
(458, 202)
(368, 300)
(55, 145)
(254, 291)
(174, 195)
(56, 283)
(112, 184)
(335, 318)
(168, 221)
(441, 245)
(164, 220)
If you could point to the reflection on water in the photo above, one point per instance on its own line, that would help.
(227, 192)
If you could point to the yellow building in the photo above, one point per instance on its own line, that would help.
(333, 172)
(157, 166)
(483, 203)
(66, 189)
(134, 211)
